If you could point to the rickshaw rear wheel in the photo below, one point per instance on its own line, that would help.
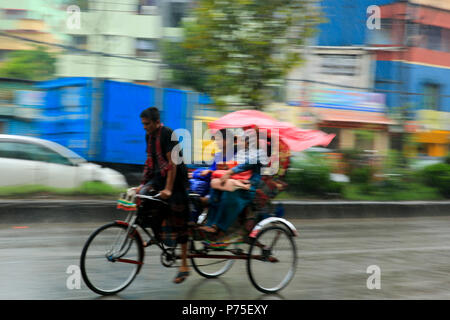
(272, 259)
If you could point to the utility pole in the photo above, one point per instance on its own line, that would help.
(97, 95)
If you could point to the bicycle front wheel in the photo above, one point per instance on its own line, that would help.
(272, 259)
(111, 259)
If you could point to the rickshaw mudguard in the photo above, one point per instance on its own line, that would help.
(273, 220)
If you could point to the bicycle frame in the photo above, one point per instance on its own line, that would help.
(238, 254)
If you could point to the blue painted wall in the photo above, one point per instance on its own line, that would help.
(346, 24)
(415, 76)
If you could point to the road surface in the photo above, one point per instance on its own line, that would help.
(412, 255)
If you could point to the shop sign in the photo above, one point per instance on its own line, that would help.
(433, 120)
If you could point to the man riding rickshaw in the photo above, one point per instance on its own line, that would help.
(242, 186)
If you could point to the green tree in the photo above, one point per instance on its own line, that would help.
(181, 72)
(37, 64)
(242, 48)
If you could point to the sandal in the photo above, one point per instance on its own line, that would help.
(181, 276)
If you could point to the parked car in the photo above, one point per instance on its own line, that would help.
(28, 160)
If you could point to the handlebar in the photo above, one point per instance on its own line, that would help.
(154, 198)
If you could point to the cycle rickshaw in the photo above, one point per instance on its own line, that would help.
(114, 253)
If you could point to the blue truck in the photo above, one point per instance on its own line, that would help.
(99, 119)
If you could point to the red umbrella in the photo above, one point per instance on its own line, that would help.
(296, 138)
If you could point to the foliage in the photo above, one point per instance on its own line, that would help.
(390, 191)
(351, 158)
(361, 175)
(447, 159)
(242, 48)
(395, 162)
(182, 72)
(367, 135)
(37, 64)
(438, 176)
(311, 176)
(87, 188)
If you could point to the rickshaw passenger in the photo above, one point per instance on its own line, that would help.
(225, 206)
(200, 179)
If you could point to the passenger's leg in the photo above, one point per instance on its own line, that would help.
(232, 205)
(215, 208)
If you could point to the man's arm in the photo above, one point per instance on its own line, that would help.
(171, 174)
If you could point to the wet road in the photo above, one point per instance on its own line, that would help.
(413, 255)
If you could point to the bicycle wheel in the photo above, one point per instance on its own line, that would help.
(209, 267)
(272, 259)
(111, 259)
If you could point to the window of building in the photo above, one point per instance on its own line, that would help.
(14, 14)
(79, 42)
(414, 36)
(149, 7)
(111, 43)
(339, 64)
(382, 35)
(431, 98)
(176, 11)
(146, 48)
(432, 37)
(446, 39)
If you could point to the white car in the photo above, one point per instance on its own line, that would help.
(32, 161)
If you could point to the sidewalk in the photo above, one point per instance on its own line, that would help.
(365, 209)
(51, 210)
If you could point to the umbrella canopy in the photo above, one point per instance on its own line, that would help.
(296, 138)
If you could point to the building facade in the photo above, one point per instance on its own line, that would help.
(413, 68)
(332, 93)
(127, 33)
(399, 49)
(30, 19)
